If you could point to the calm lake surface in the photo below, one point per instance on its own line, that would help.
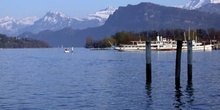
(49, 79)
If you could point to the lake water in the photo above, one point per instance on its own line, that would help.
(49, 79)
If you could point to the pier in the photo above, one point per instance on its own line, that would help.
(178, 62)
(148, 62)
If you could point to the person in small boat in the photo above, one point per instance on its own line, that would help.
(66, 50)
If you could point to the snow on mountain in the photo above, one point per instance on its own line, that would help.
(102, 15)
(53, 21)
(50, 21)
(54, 17)
(25, 21)
(215, 1)
(10, 25)
(194, 4)
(57, 20)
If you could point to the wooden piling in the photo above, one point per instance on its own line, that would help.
(148, 62)
(178, 62)
(189, 60)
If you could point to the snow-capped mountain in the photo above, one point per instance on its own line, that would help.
(194, 4)
(57, 20)
(53, 21)
(11, 25)
(102, 15)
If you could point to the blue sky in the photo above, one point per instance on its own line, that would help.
(73, 8)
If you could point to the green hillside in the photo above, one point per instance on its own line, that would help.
(16, 42)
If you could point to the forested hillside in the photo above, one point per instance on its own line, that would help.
(123, 37)
(16, 42)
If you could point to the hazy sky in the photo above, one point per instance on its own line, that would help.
(73, 8)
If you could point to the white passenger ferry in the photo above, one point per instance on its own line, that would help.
(162, 44)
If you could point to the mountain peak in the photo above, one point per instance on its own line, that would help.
(7, 18)
(194, 4)
(109, 8)
(54, 17)
(215, 1)
(55, 14)
(103, 14)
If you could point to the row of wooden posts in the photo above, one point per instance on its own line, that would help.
(178, 62)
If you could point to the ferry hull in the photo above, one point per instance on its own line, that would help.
(195, 48)
(162, 44)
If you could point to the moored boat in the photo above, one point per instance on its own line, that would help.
(66, 51)
(161, 44)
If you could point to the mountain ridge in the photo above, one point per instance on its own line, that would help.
(195, 4)
(144, 16)
(55, 21)
(210, 8)
(59, 20)
(12, 25)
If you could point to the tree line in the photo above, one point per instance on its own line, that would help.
(124, 37)
(16, 42)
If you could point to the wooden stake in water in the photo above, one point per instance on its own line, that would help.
(178, 62)
(189, 59)
(148, 62)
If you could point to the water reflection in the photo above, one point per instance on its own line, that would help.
(149, 95)
(181, 101)
(178, 98)
(190, 93)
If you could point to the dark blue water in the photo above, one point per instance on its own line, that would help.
(49, 79)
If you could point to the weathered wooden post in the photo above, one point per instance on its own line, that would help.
(178, 62)
(148, 61)
(189, 60)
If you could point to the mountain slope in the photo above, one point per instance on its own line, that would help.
(151, 16)
(11, 25)
(194, 4)
(210, 8)
(144, 16)
(53, 21)
(14, 42)
(102, 15)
